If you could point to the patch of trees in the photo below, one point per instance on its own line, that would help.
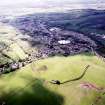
(14, 65)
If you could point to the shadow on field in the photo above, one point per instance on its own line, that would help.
(32, 94)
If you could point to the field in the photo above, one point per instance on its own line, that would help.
(30, 85)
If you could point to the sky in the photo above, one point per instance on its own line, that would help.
(21, 7)
(46, 2)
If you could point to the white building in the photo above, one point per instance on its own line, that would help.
(63, 41)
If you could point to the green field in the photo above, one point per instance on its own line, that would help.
(10, 45)
(30, 85)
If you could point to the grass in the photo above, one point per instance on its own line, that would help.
(11, 47)
(31, 87)
(15, 52)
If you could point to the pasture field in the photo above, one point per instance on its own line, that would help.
(30, 85)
